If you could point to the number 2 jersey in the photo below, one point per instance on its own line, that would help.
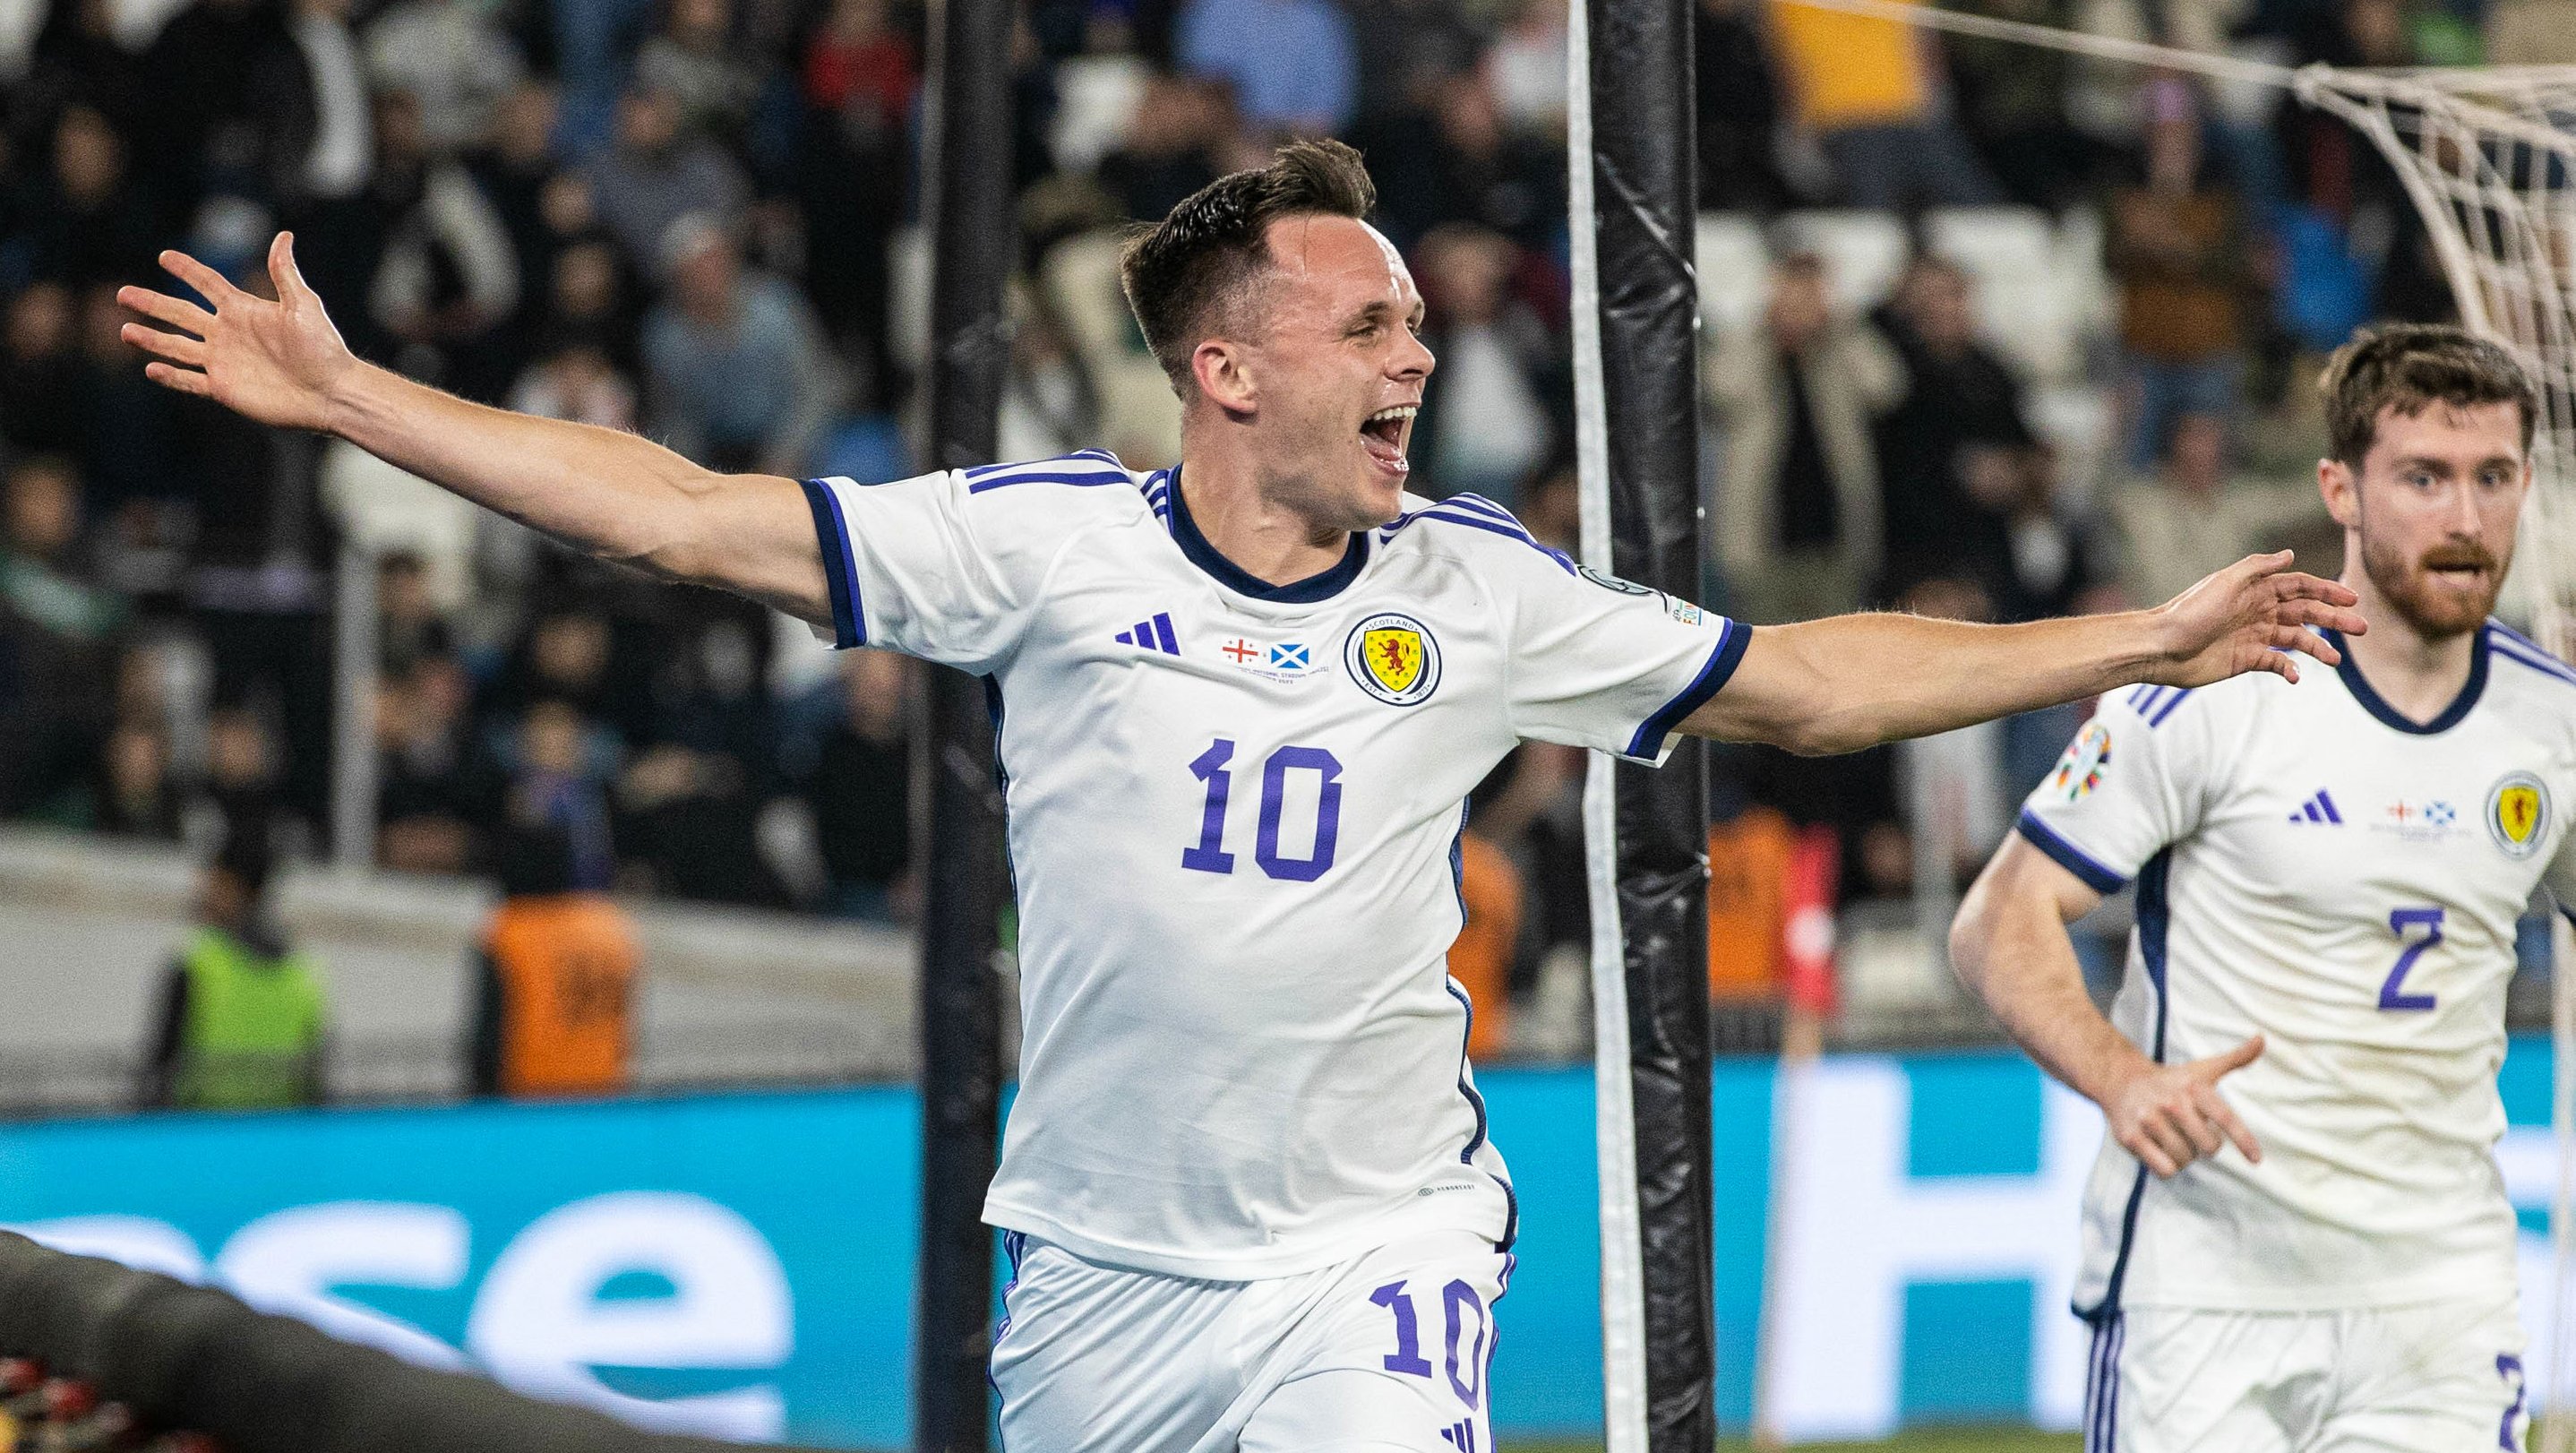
(2313, 867)
(1234, 821)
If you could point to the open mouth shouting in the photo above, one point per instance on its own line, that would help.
(1384, 435)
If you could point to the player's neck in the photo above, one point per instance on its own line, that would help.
(1261, 538)
(2415, 674)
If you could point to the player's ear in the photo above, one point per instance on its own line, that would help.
(1224, 374)
(2342, 490)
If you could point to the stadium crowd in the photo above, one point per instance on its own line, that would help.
(698, 218)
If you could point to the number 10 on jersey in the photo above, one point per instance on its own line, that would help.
(1211, 767)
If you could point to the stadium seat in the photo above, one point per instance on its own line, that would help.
(1095, 98)
(2012, 256)
(1863, 252)
(1732, 263)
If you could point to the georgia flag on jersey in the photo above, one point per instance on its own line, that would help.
(1234, 819)
(2317, 868)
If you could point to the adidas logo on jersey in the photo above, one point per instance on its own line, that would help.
(1153, 635)
(2320, 808)
(1460, 1435)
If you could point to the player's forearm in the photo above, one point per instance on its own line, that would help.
(1882, 678)
(603, 492)
(2011, 948)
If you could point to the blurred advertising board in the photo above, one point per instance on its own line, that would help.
(740, 1264)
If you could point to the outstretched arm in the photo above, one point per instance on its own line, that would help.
(1848, 682)
(609, 494)
(2009, 945)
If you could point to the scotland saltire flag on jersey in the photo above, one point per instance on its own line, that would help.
(1234, 818)
(2315, 867)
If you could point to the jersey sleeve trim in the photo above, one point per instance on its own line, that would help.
(840, 571)
(1733, 637)
(2068, 856)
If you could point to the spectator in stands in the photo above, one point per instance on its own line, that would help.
(426, 796)
(57, 643)
(695, 60)
(1526, 66)
(578, 383)
(307, 99)
(740, 378)
(658, 174)
(1962, 408)
(197, 72)
(1461, 163)
(861, 788)
(242, 1021)
(554, 979)
(1797, 521)
(45, 403)
(2177, 249)
(92, 220)
(2012, 101)
(453, 57)
(135, 797)
(590, 304)
(1872, 94)
(689, 802)
(42, 579)
(1489, 422)
(126, 451)
(446, 277)
(1739, 109)
(2196, 509)
(2055, 561)
(854, 151)
(1290, 62)
(558, 765)
(515, 172)
(1174, 144)
(240, 789)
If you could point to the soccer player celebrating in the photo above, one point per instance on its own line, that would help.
(2329, 871)
(1247, 1184)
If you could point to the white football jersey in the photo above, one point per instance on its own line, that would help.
(2316, 868)
(1234, 820)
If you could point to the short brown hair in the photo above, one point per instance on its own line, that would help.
(1206, 253)
(2409, 367)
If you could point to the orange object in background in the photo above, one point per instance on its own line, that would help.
(566, 965)
(1481, 959)
(1772, 890)
(1748, 867)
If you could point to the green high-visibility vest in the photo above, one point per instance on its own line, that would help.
(253, 1024)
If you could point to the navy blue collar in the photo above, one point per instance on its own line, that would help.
(1323, 585)
(2371, 702)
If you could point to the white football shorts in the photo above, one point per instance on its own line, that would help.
(2436, 1377)
(1385, 1353)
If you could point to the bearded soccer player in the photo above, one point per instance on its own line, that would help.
(2329, 870)
(1247, 1184)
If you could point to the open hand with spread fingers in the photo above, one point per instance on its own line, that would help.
(277, 362)
(2252, 616)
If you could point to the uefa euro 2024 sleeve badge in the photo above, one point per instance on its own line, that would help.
(2518, 814)
(1393, 658)
(2080, 770)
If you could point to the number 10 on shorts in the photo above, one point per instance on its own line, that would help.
(1457, 1300)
